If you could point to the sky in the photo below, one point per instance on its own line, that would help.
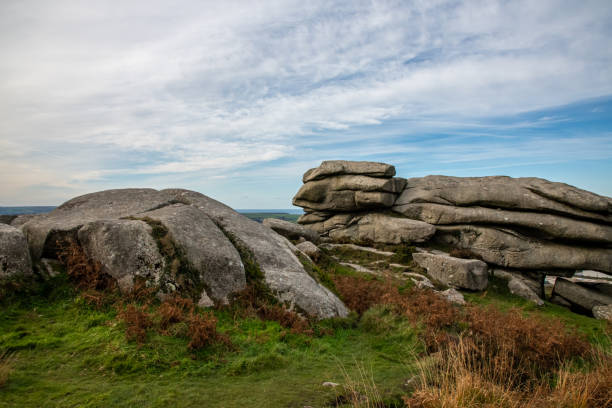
(237, 99)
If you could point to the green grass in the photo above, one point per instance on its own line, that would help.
(67, 354)
(70, 354)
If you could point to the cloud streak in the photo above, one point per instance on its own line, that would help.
(105, 95)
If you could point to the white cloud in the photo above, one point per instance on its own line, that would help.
(159, 88)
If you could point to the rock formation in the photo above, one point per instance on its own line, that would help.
(14, 256)
(351, 200)
(528, 227)
(525, 223)
(179, 240)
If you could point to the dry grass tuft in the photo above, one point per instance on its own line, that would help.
(84, 272)
(203, 331)
(7, 360)
(458, 379)
(522, 349)
(137, 320)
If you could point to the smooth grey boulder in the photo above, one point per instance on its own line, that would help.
(15, 259)
(579, 295)
(455, 272)
(336, 167)
(511, 249)
(530, 193)
(545, 225)
(291, 230)
(310, 249)
(43, 230)
(521, 288)
(283, 272)
(204, 246)
(603, 312)
(125, 249)
(382, 228)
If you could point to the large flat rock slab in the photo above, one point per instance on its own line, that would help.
(382, 228)
(530, 193)
(579, 295)
(550, 226)
(337, 167)
(511, 249)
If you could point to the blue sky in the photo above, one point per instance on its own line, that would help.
(238, 99)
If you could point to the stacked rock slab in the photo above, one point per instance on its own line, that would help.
(179, 240)
(516, 223)
(347, 200)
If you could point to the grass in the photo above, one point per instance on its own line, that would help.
(69, 353)
(61, 348)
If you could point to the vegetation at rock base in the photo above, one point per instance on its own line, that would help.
(69, 344)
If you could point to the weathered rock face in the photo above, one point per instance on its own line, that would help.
(532, 194)
(343, 200)
(282, 270)
(337, 167)
(205, 249)
(14, 256)
(456, 272)
(291, 230)
(511, 249)
(113, 227)
(125, 249)
(525, 223)
(580, 296)
(376, 227)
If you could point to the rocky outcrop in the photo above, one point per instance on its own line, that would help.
(580, 296)
(512, 249)
(291, 230)
(455, 272)
(180, 239)
(350, 201)
(15, 260)
(524, 223)
(376, 227)
(125, 249)
(204, 248)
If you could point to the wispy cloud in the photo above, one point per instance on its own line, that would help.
(99, 95)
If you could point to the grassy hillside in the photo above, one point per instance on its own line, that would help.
(66, 347)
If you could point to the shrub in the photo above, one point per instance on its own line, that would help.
(174, 310)
(524, 348)
(360, 294)
(137, 321)
(203, 331)
(84, 272)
